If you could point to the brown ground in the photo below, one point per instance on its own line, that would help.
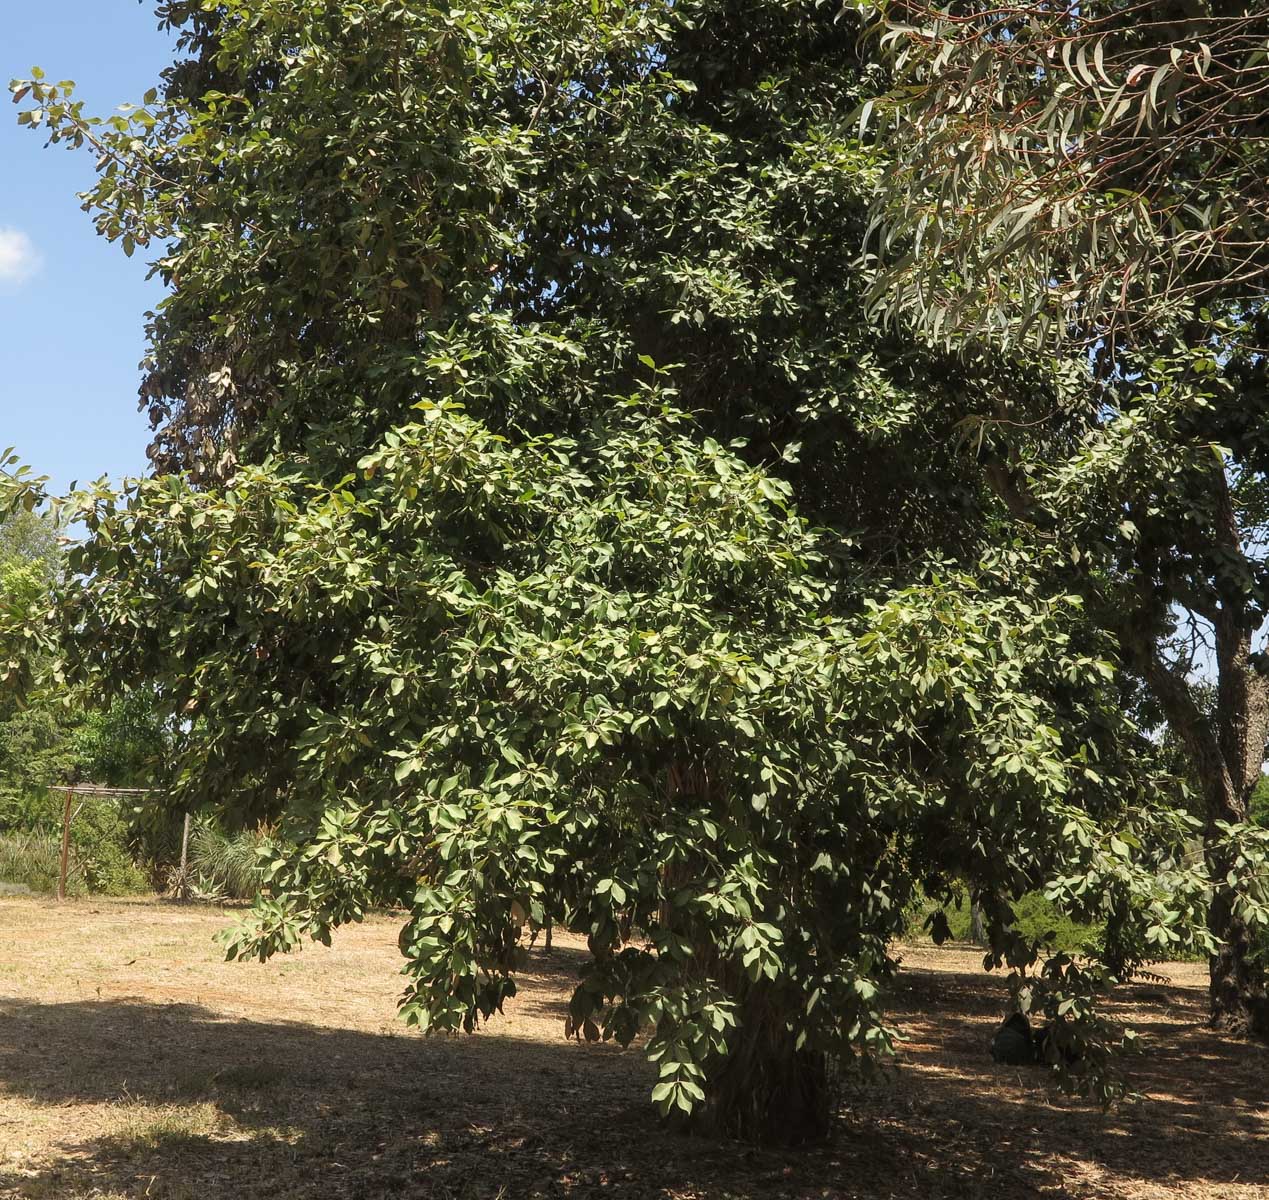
(134, 1063)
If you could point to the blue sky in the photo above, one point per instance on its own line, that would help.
(72, 307)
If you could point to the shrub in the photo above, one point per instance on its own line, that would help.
(1035, 917)
(100, 840)
(32, 860)
(225, 864)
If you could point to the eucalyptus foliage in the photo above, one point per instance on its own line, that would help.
(1097, 168)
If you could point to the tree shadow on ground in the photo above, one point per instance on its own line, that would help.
(1201, 1123)
(299, 1111)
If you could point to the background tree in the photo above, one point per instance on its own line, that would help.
(1090, 182)
(52, 735)
(35, 738)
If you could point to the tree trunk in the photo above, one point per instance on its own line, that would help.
(977, 929)
(1236, 984)
(1227, 750)
(1238, 1001)
(767, 1091)
(1236, 987)
(778, 1097)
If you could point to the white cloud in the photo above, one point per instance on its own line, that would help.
(19, 259)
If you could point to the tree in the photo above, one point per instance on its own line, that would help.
(637, 720)
(977, 927)
(51, 736)
(35, 738)
(441, 578)
(1090, 183)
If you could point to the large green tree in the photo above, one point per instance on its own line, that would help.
(436, 570)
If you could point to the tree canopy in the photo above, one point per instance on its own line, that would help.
(540, 531)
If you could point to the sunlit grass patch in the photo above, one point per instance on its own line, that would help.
(142, 1128)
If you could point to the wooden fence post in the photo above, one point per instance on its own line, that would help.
(184, 846)
(66, 839)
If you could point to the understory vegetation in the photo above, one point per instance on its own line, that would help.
(114, 851)
(1036, 919)
(31, 861)
(226, 865)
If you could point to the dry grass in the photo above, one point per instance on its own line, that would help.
(140, 1128)
(134, 1063)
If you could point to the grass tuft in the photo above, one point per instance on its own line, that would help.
(226, 865)
(144, 1128)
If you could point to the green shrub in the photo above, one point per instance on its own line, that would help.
(100, 838)
(32, 860)
(154, 840)
(1259, 808)
(1039, 918)
(1035, 916)
(225, 864)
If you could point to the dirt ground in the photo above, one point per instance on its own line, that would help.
(135, 1063)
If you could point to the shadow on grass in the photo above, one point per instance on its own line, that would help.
(247, 1109)
(1202, 1122)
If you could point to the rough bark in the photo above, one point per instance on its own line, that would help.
(1238, 999)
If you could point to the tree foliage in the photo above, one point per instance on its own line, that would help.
(1095, 169)
(539, 532)
(599, 682)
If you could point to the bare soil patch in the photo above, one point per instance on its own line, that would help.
(135, 1063)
